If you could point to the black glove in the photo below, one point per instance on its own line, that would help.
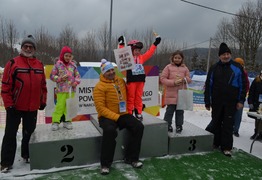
(11, 108)
(157, 41)
(124, 116)
(208, 106)
(121, 123)
(121, 40)
(42, 106)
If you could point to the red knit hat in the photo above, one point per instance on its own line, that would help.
(64, 50)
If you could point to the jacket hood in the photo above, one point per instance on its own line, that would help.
(64, 50)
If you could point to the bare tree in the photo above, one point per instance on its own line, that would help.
(12, 36)
(3, 44)
(2, 31)
(222, 34)
(164, 51)
(243, 33)
(88, 48)
(103, 37)
(47, 49)
(67, 37)
(247, 31)
(9, 37)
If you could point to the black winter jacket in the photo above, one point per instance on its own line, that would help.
(254, 92)
(225, 83)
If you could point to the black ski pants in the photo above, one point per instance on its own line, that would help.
(9, 144)
(223, 122)
(135, 129)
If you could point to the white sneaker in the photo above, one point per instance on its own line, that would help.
(5, 169)
(171, 134)
(227, 153)
(137, 164)
(68, 125)
(134, 164)
(139, 117)
(55, 126)
(26, 160)
(104, 170)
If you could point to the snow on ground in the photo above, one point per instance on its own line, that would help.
(199, 118)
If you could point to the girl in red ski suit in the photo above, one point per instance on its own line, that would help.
(136, 77)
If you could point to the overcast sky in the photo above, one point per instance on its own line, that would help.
(172, 19)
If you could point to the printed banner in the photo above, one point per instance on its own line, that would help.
(84, 91)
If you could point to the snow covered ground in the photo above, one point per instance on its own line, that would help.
(199, 118)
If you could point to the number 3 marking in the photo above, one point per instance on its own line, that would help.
(193, 145)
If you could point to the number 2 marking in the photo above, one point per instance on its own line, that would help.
(68, 149)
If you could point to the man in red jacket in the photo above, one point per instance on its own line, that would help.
(24, 92)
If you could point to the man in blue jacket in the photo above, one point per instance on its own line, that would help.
(225, 92)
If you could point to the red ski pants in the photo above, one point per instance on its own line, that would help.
(134, 96)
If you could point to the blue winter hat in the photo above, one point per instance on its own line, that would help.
(105, 66)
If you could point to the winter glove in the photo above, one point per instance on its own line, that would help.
(121, 121)
(11, 109)
(157, 41)
(121, 40)
(208, 106)
(42, 106)
(122, 117)
(251, 106)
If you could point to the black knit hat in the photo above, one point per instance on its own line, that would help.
(29, 39)
(223, 48)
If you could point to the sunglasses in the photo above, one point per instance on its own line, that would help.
(28, 46)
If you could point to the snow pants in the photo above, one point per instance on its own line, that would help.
(222, 124)
(132, 149)
(134, 96)
(60, 108)
(179, 115)
(9, 144)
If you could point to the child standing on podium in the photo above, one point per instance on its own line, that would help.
(136, 77)
(67, 77)
(174, 77)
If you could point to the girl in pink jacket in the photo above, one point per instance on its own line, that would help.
(67, 77)
(174, 77)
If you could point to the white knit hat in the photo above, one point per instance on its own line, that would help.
(105, 66)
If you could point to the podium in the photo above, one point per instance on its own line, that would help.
(79, 146)
(154, 142)
(82, 144)
(191, 140)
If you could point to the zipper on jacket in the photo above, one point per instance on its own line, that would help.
(231, 78)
